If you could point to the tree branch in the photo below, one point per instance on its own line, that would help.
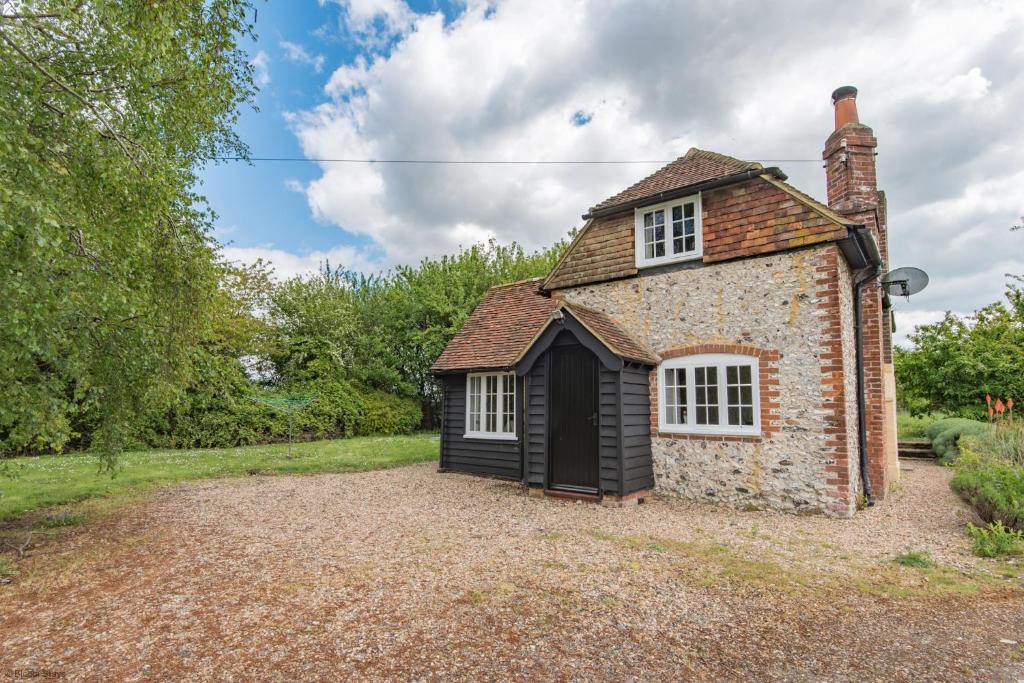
(71, 91)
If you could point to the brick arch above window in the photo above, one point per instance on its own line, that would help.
(768, 389)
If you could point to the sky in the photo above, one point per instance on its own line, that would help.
(941, 84)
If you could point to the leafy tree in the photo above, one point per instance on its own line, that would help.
(106, 111)
(958, 360)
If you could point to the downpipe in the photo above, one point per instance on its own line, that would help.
(862, 431)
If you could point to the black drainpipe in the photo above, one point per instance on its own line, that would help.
(862, 431)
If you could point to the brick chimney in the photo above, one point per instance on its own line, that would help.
(853, 192)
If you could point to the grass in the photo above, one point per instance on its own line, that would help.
(909, 427)
(6, 568)
(36, 483)
(914, 558)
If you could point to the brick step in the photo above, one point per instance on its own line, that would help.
(915, 450)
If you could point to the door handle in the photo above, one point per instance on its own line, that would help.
(593, 419)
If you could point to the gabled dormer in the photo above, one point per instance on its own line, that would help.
(703, 207)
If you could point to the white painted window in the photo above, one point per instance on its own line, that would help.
(491, 405)
(668, 232)
(713, 393)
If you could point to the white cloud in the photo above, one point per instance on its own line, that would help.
(374, 22)
(261, 64)
(505, 83)
(288, 264)
(294, 52)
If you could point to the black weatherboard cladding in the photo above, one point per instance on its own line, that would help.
(497, 457)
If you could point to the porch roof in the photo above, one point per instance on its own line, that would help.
(512, 317)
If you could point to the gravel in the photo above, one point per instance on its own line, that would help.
(408, 574)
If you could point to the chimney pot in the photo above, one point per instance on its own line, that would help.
(844, 99)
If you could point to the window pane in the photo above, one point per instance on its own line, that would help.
(677, 213)
(689, 209)
(474, 404)
(659, 217)
(706, 395)
(690, 244)
(491, 404)
(648, 220)
(508, 406)
(740, 395)
(675, 396)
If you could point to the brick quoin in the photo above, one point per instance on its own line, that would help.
(841, 491)
(768, 389)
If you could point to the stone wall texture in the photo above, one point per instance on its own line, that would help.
(776, 303)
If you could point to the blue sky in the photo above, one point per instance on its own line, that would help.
(620, 79)
(255, 206)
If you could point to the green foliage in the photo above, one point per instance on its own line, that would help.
(996, 540)
(46, 481)
(107, 110)
(7, 569)
(61, 519)
(994, 486)
(1004, 440)
(120, 325)
(910, 426)
(385, 413)
(958, 360)
(945, 435)
(914, 558)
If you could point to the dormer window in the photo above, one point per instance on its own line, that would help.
(668, 232)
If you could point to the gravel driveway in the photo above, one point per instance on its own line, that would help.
(408, 574)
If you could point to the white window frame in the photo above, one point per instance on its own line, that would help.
(503, 379)
(639, 247)
(720, 361)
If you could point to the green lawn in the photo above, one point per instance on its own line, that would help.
(29, 484)
(911, 427)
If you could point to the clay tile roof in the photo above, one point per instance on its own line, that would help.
(697, 166)
(499, 330)
(617, 341)
(511, 317)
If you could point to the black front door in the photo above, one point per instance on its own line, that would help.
(574, 424)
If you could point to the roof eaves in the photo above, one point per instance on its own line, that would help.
(610, 346)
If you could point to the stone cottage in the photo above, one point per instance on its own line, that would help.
(712, 332)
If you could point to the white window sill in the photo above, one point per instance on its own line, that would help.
(710, 432)
(664, 261)
(484, 436)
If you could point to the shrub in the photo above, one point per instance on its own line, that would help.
(994, 486)
(996, 540)
(385, 413)
(945, 435)
(914, 558)
(1005, 440)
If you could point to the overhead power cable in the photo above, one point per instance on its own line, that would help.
(484, 161)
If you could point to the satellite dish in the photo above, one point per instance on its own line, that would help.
(904, 281)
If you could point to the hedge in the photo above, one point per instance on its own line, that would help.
(945, 435)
